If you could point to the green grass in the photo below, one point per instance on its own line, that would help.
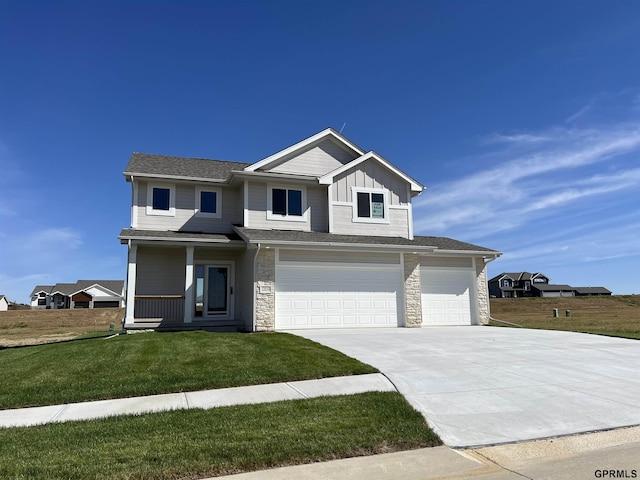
(201, 443)
(155, 363)
(616, 316)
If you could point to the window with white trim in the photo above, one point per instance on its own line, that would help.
(161, 200)
(286, 203)
(370, 205)
(209, 202)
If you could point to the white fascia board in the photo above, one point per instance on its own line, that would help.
(130, 176)
(469, 253)
(196, 242)
(95, 285)
(341, 246)
(328, 178)
(283, 177)
(329, 132)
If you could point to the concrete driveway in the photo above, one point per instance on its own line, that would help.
(480, 386)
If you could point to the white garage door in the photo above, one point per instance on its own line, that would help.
(446, 296)
(335, 297)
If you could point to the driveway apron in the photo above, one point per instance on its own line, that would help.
(479, 386)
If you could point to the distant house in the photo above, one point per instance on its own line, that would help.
(591, 291)
(515, 285)
(82, 294)
(549, 290)
(4, 303)
(525, 284)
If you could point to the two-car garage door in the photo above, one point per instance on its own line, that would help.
(316, 291)
(334, 294)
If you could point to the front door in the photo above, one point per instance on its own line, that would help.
(214, 290)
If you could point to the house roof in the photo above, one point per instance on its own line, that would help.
(307, 142)
(3, 297)
(41, 288)
(592, 290)
(162, 166)
(327, 179)
(298, 237)
(114, 286)
(135, 234)
(517, 276)
(552, 288)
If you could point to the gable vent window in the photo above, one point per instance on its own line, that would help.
(286, 204)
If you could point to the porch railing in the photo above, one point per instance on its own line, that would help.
(167, 307)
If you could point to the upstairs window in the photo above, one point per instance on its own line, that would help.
(286, 204)
(209, 202)
(506, 282)
(161, 200)
(370, 205)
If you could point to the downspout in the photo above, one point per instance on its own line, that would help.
(487, 262)
(255, 287)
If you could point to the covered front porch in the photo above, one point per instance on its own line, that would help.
(188, 285)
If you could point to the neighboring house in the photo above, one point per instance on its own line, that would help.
(514, 285)
(547, 290)
(82, 294)
(591, 291)
(525, 284)
(4, 303)
(318, 235)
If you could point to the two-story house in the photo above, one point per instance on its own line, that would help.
(318, 235)
(516, 285)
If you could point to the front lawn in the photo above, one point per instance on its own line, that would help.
(201, 443)
(155, 363)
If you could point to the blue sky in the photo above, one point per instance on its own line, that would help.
(521, 117)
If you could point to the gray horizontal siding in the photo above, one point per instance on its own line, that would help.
(343, 223)
(185, 218)
(317, 160)
(160, 271)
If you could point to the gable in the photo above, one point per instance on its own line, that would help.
(316, 159)
(370, 174)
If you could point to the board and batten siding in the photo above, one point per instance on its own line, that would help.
(317, 160)
(370, 174)
(317, 216)
(160, 271)
(185, 217)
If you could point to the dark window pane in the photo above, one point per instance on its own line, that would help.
(279, 201)
(364, 209)
(208, 202)
(377, 205)
(295, 202)
(161, 198)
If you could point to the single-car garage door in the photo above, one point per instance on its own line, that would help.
(332, 296)
(447, 296)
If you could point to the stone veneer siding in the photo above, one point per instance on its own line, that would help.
(483, 292)
(266, 290)
(412, 291)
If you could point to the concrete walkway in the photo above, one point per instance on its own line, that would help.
(480, 386)
(24, 417)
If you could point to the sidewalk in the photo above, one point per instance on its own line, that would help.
(223, 397)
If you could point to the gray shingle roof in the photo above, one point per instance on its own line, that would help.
(166, 166)
(115, 286)
(552, 288)
(133, 233)
(592, 290)
(442, 243)
(41, 288)
(64, 288)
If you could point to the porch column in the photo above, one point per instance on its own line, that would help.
(131, 284)
(188, 287)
